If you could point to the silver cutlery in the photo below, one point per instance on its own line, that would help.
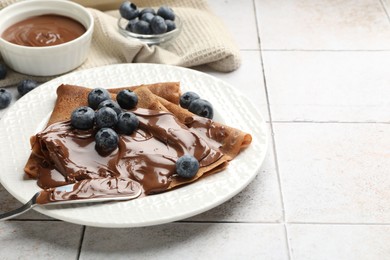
(40, 199)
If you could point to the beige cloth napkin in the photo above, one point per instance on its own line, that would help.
(204, 40)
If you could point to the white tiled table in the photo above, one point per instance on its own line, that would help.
(319, 71)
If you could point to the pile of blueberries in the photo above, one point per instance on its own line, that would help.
(199, 106)
(147, 20)
(106, 115)
(111, 118)
(23, 87)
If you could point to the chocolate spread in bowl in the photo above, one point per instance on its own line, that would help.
(44, 30)
(147, 156)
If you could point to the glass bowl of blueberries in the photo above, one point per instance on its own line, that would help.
(151, 26)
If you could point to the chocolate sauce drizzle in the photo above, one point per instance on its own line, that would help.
(147, 156)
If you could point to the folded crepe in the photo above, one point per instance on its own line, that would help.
(217, 143)
(69, 97)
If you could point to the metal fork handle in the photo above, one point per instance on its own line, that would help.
(16, 212)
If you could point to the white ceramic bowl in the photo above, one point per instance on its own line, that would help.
(48, 60)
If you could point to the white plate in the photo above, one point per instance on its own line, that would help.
(27, 115)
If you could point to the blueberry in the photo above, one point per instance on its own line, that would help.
(3, 71)
(106, 140)
(106, 117)
(5, 98)
(111, 104)
(147, 10)
(187, 98)
(142, 27)
(202, 108)
(166, 13)
(127, 123)
(147, 17)
(128, 10)
(26, 86)
(171, 25)
(96, 96)
(187, 166)
(158, 25)
(131, 24)
(127, 99)
(82, 118)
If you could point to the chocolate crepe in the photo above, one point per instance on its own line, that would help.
(214, 144)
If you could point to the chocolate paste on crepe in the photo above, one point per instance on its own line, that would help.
(62, 155)
(231, 140)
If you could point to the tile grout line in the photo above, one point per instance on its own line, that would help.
(278, 223)
(226, 222)
(81, 243)
(339, 223)
(287, 243)
(273, 144)
(32, 220)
